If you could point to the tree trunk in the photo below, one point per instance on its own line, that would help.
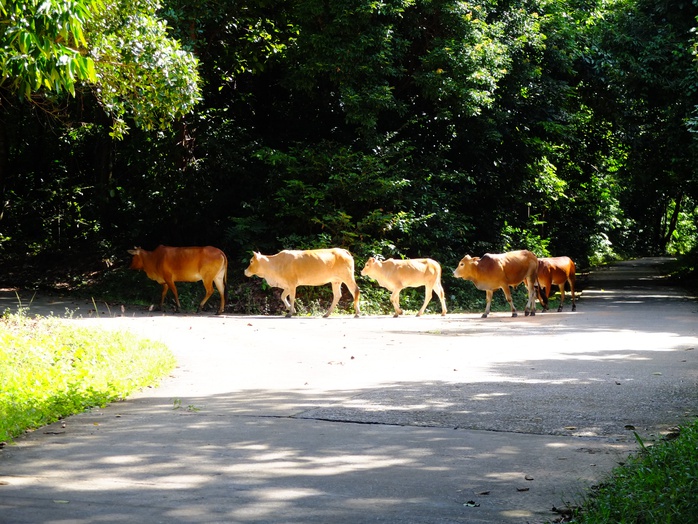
(672, 223)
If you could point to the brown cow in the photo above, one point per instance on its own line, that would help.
(396, 275)
(501, 271)
(167, 265)
(290, 269)
(557, 271)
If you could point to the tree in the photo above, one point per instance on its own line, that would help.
(101, 63)
(644, 53)
(43, 45)
(117, 48)
(142, 73)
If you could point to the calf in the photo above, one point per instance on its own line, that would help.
(396, 275)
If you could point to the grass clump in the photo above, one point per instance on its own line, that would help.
(659, 484)
(50, 369)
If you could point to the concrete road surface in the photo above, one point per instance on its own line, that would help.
(343, 420)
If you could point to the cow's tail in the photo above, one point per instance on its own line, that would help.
(226, 292)
(541, 293)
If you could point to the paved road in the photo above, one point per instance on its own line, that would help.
(343, 420)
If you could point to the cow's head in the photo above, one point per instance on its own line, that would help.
(253, 268)
(465, 266)
(137, 262)
(371, 264)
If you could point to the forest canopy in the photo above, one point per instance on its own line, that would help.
(399, 128)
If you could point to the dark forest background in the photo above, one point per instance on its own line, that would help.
(401, 128)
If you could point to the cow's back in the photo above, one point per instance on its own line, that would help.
(509, 268)
(313, 267)
(415, 272)
(188, 264)
(558, 269)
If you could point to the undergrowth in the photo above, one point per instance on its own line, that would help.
(657, 485)
(50, 368)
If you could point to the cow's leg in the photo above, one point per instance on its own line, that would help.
(208, 285)
(285, 294)
(442, 297)
(428, 290)
(544, 291)
(507, 294)
(356, 293)
(336, 295)
(172, 286)
(562, 297)
(220, 286)
(162, 297)
(574, 305)
(489, 303)
(395, 299)
(531, 302)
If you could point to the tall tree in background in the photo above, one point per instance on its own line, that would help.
(645, 56)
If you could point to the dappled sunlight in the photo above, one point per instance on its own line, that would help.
(504, 475)
(250, 473)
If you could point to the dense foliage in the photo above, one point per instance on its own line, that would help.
(395, 127)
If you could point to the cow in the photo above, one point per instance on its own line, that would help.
(167, 265)
(557, 271)
(502, 270)
(396, 275)
(289, 269)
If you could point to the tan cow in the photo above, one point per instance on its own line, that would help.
(555, 271)
(167, 265)
(495, 271)
(396, 275)
(290, 269)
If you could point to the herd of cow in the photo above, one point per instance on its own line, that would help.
(289, 269)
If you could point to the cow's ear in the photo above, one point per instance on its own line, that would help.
(132, 251)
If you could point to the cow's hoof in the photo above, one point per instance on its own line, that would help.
(514, 315)
(484, 315)
(574, 308)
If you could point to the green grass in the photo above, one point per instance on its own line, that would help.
(657, 485)
(51, 368)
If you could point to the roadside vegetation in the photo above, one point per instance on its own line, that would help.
(50, 369)
(658, 484)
